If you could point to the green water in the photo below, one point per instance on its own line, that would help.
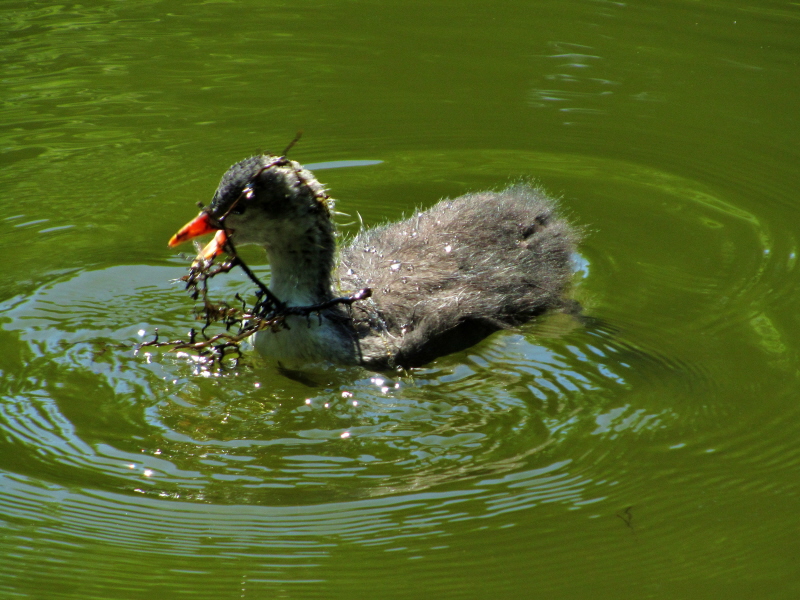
(649, 452)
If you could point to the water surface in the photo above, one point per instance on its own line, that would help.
(648, 450)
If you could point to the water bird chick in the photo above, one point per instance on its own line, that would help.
(441, 280)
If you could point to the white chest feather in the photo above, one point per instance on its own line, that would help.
(305, 341)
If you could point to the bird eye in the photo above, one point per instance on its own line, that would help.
(240, 205)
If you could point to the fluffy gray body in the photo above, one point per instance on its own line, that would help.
(441, 280)
(449, 276)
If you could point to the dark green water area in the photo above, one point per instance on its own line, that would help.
(650, 450)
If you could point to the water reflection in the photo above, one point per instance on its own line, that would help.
(157, 452)
(575, 86)
(340, 164)
(158, 425)
(93, 411)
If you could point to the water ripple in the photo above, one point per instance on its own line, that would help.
(153, 452)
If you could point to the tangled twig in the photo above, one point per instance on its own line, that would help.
(268, 312)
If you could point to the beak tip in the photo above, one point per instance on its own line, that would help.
(198, 226)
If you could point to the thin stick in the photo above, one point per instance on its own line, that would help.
(293, 142)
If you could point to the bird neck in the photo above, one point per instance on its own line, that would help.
(302, 263)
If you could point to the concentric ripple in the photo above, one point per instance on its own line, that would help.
(158, 450)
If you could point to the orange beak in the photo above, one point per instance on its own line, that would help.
(198, 226)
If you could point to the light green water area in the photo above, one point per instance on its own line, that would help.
(650, 449)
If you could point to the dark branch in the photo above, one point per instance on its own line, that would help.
(268, 311)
